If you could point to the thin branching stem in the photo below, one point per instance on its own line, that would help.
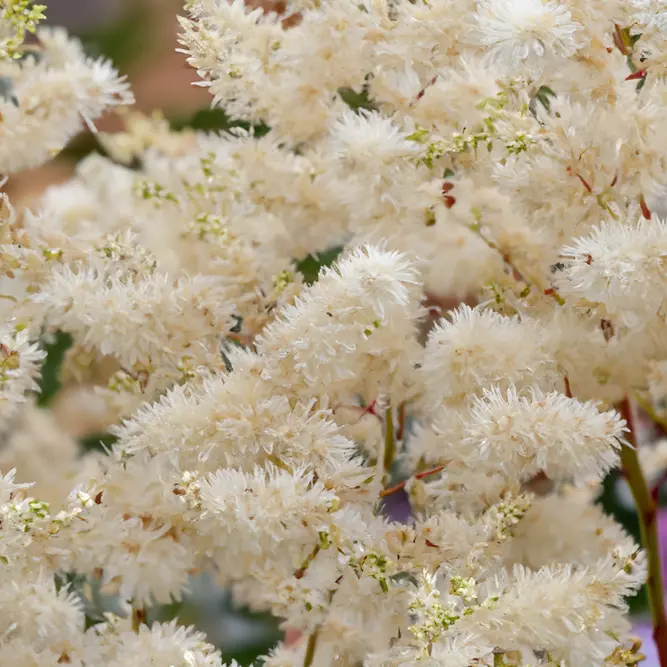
(401, 485)
(389, 441)
(138, 617)
(311, 646)
(517, 274)
(647, 512)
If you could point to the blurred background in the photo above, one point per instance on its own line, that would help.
(140, 37)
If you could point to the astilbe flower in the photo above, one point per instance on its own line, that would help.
(497, 151)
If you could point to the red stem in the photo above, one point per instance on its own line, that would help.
(401, 485)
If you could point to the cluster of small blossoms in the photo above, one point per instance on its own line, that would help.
(505, 158)
(18, 18)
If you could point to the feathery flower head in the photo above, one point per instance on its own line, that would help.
(530, 34)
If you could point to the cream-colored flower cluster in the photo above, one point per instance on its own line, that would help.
(509, 154)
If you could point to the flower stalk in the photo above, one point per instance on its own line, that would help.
(311, 646)
(389, 442)
(138, 618)
(401, 485)
(646, 504)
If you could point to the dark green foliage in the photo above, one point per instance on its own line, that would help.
(49, 383)
(542, 96)
(356, 100)
(215, 120)
(310, 266)
(100, 442)
(125, 41)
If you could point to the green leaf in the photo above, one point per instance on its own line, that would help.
(265, 635)
(124, 41)
(49, 383)
(164, 613)
(215, 120)
(98, 442)
(356, 100)
(310, 266)
(543, 96)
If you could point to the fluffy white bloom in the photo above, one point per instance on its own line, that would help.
(52, 94)
(109, 313)
(565, 602)
(526, 33)
(33, 611)
(476, 619)
(268, 421)
(135, 535)
(236, 421)
(620, 267)
(211, 36)
(360, 315)
(20, 362)
(273, 511)
(525, 434)
(163, 645)
(478, 348)
(369, 138)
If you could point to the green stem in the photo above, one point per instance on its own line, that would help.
(647, 511)
(517, 274)
(389, 441)
(279, 464)
(310, 649)
(306, 563)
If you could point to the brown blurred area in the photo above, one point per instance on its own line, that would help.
(159, 76)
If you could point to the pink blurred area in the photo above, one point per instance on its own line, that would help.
(643, 628)
(160, 77)
(645, 632)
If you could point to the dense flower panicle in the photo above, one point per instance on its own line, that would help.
(235, 421)
(586, 595)
(134, 536)
(508, 154)
(524, 434)
(369, 137)
(478, 348)
(352, 332)
(110, 313)
(41, 615)
(619, 267)
(114, 642)
(566, 529)
(526, 33)
(52, 92)
(20, 362)
(264, 511)
(17, 19)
